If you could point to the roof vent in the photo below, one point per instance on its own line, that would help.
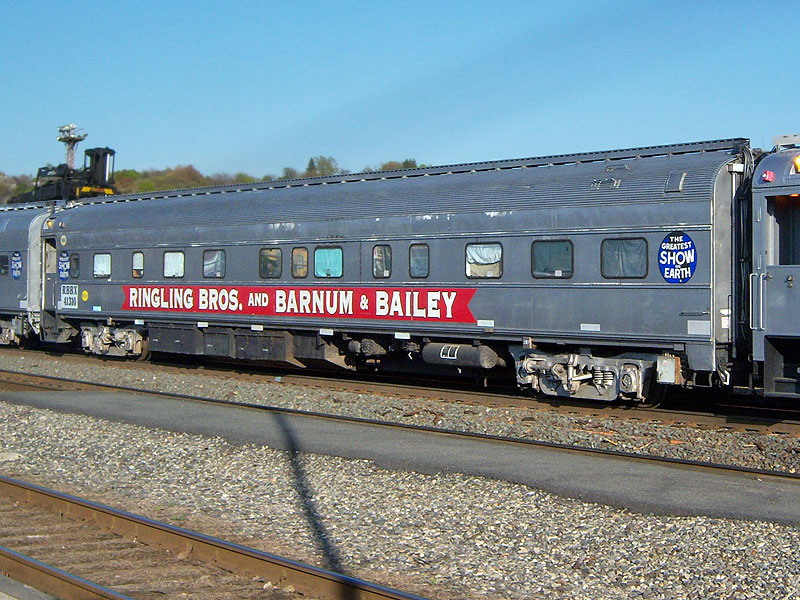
(675, 181)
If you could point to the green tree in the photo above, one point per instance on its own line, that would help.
(394, 165)
(243, 178)
(327, 165)
(321, 166)
(12, 186)
(311, 168)
(7, 187)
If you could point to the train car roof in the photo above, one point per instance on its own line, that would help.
(17, 217)
(783, 169)
(684, 172)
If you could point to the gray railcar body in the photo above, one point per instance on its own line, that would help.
(592, 275)
(774, 301)
(568, 335)
(20, 302)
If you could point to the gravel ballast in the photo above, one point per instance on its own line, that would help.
(443, 536)
(752, 450)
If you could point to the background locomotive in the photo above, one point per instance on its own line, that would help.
(600, 275)
(63, 182)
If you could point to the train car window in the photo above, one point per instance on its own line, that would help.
(623, 258)
(214, 264)
(484, 261)
(784, 219)
(50, 256)
(137, 265)
(173, 264)
(3, 264)
(299, 263)
(551, 259)
(419, 263)
(270, 263)
(74, 266)
(102, 265)
(381, 261)
(328, 262)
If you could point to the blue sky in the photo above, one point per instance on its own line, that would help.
(257, 86)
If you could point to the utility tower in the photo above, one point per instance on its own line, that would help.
(70, 136)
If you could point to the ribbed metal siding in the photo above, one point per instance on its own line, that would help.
(506, 190)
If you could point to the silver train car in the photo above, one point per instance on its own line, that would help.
(20, 286)
(601, 276)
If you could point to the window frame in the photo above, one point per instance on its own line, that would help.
(164, 264)
(133, 265)
(304, 249)
(5, 265)
(375, 274)
(224, 263)
(280, 262)
(327, 247)
(74, 265)
(571, 259)
(626, 239)
(94, 265)
(428, 262)
(466, 262)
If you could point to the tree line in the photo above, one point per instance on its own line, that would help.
(131, 181)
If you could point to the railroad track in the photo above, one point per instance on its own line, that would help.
(49, 382)
(731, 416)
(129, 556)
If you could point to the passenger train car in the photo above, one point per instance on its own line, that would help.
(600, 276)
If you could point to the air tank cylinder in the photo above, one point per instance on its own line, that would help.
(461, 355)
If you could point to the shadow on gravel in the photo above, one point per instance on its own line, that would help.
(306, 494)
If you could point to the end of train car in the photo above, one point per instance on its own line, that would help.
(773, 299)
(20, 286)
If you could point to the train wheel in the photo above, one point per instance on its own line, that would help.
(146, 353)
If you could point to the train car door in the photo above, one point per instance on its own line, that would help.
(49, 281)
(774, 283)
(34, 272)
(49, 273)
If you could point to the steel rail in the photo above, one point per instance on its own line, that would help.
(51, 580)
(737, 420)
(651, 458)
(306, 579)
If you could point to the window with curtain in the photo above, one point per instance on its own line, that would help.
(419, 261)
(484, 261)
(137, 265)
(214, 264)
(102, 265)
(173, 264)
(551, 259)
(328, 262)
(299, 262)
(624, 258)
(269, 263)
(381, 261)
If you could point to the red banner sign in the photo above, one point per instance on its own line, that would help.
(407, 304)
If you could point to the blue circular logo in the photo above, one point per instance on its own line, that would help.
(16, 265)
(677, 258)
